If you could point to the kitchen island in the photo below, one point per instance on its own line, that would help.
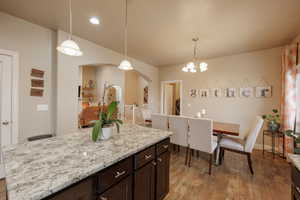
(64, 166)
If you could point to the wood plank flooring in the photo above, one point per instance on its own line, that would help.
(232, 180)
(2, 190)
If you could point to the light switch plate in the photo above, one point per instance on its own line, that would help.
(42, 107)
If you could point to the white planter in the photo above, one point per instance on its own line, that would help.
(106, 133)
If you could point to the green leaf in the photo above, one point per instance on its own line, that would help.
(111, 109)
(275, 111)
(118, 127)
(95, 132)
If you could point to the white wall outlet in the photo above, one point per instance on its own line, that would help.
(42, 107)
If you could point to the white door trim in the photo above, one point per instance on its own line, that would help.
(162, 94)
(15, 93)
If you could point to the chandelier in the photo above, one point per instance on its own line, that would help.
(191, 66)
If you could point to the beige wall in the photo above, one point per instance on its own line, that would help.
(34, 44)
(111, 75)
(67, 77)
(252, 69)
(297, 39)
(142, 83)
(131, 89)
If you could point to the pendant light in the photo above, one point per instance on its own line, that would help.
(69, 46)
(191, 66)
(125, 64)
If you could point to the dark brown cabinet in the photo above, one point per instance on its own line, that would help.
(80, 191)
(162, 175)
(144, 181)
(121, 191)
(295, 183)
(152, 180)
(143, 176)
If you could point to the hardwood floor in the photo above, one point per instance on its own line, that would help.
(232, 180)
(2, 190)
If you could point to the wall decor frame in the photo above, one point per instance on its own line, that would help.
(230, 92)
(37, 73)
(246, 92)
(204, 93)
(216, 92)
(263, 91)
(37, 83)
(193, 93)
(36, 92)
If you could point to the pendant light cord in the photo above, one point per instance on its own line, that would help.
(195, 49)
(125, 31)
(70, 18)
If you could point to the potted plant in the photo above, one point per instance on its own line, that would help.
(296, 136)
(273, 120)
(103, 126)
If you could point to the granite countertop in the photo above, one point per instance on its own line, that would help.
(35, 170)
(295, 158)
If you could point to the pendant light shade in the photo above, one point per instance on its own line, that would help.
(125, 64)
(191, 66)
(69, 46)
(203, 66)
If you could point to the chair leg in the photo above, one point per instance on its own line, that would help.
(210, 163)
(186, 155)
(222, 154)
(190, 157)
(250, 163)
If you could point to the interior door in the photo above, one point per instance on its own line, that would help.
(168, 101)
(5, 100)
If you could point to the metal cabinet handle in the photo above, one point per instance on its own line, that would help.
(103, 198)
(118, 174)
(5, 123)
(166, 146)
(298, 189)
(148, 156)
(154, 163)
(159, 159)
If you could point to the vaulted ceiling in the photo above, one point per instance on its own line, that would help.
(160, 31)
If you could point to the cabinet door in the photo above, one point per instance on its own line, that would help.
(144, 182)
(121, 191)
(80, 191)
(162, 175)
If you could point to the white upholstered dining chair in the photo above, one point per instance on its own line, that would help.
(179, 126)
(160, 121)
(201, 138)
(243, 146)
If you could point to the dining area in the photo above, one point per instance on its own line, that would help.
(196, 135)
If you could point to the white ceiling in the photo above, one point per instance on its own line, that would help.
(160, 31)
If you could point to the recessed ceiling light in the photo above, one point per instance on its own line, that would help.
(94, 20)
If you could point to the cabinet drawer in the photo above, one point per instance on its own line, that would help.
(144, 157)
(163, 146)
(114, 174)
(120, 191)
(295, 177)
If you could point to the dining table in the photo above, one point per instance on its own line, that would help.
(221, 129)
